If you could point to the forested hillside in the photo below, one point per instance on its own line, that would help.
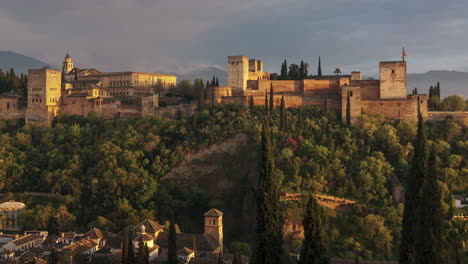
(108, 173)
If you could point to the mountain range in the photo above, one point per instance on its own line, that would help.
(451, 82)
(20, 63)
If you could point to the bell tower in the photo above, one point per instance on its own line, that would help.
(67, 64)
(214, 225)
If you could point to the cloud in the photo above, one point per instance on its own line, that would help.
(166, 35)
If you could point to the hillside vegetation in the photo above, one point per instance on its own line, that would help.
(113, 173)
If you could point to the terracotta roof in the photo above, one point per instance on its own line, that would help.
(214, 213)
(81, 246)
(146, 237)
(184, 251)
(204, 242)
(94, 234)
(68, 235)
(26, 239)
(150, 226)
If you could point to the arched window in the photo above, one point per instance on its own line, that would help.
(8, 106)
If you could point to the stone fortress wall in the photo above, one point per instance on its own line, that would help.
(387, 96)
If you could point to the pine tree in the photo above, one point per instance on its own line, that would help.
(414, 184)
(429, 236)
(348, 109)
(269, 244)
(271, 98)
(172, 247)
(283, 114)
(314, 248)
(319, 70)
(125, 248)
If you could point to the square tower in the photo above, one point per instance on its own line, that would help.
(44, 95)
(393, 80)
(214, 225)
(238, 73)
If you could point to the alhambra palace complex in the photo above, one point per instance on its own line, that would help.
(111, 95)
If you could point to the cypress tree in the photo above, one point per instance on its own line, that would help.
(172, 247)
(414, 184)
(314, 248)
(125, 248)
(269, 244)
(252, 103)
(213, 81)
(284, 70)
(142, 257)
(131, 250)
(266, 102)
(271, 97)
(217, 81)
(429, 236)
(194, 246)
(283, 114)
(348, 109)
(237, 258)
(302, 70)
(319, 70)
(438, 89)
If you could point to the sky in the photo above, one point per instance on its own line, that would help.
(183, 35)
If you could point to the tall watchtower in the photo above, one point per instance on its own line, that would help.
(44, 95)
(393, 80)
(238, 73)
(214, 225)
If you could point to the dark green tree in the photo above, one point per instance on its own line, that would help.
(319, 70)
(172, 247)
(314, 248)
(272, 106)
(269, 243)
(431, 217)
(217, 81)
(266, 102)
(143, 252)
(414, 184)
(302, 70)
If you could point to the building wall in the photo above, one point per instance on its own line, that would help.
(11, 107)
(370, 89)
(397, 108)
(393, 80)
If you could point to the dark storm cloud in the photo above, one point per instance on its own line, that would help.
(167, 34)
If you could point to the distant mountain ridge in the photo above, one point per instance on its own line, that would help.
(203, 72)
(451, 82)
(20, 63)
